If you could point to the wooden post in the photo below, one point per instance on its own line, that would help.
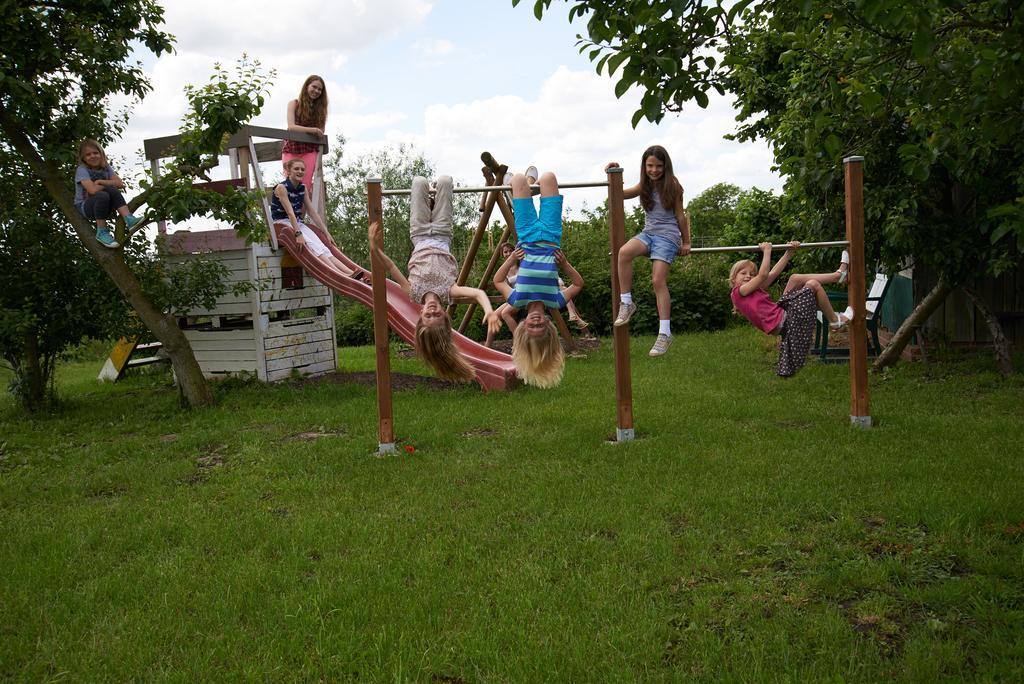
(161, 225)
(245, 156)
(860, 410)
(385, 417)
(474, 245)
(620, 336)
(243, 164)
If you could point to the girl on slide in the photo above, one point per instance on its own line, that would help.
(306, 114)
(792, 317)
(536, 350)
(666, 234)
(432, 275)
(288, 206)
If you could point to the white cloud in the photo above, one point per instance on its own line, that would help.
(574, 128)
(281, 30)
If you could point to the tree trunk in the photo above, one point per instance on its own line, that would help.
(917, 317)
(1002, 347)
(33, 392)
(194, 389)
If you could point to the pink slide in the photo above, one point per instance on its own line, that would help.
(494, 369)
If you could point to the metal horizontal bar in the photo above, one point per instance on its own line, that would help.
(755, 248)
(491, 188)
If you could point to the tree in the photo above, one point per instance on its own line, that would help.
(52, 294)
(61, 61)
(928, 91)
(713, 210)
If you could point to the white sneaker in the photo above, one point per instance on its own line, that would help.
(626, 312)
(661, 345)
(532, 175)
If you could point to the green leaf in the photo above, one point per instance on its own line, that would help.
(736, 9)
(923, 43)
(621, 87)
(702, 99)
(1000, 232)
(615, 61)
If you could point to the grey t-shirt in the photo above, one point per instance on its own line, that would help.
(661, 221)
(82, 173)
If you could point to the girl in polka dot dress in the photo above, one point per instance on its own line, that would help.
(792, 317)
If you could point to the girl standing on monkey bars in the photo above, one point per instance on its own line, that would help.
(666, 234)
(432, 275)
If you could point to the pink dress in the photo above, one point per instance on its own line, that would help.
(759, 309)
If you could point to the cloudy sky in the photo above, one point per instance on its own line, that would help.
(452, 77)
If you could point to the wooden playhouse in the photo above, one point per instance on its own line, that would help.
(284, 325)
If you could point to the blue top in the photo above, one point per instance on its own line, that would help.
(296, 197)
(84, 172)
(662, 222)
(537, 280)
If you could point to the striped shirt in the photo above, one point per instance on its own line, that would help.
(296, 197)
(537, 280)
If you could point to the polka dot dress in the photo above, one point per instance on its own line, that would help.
(795, 338)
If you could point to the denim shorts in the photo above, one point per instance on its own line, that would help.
(660, 248)
(547, 227)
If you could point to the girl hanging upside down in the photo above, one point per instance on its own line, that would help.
(792, 317)
(536, 350)
(432, 275)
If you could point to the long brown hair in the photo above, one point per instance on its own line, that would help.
(435, 346)
(539, 361)
(667, 186)
(312, 112)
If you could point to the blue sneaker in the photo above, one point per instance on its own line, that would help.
(130, 220)
(104, 237)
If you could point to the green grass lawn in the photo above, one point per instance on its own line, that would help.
(747, 534)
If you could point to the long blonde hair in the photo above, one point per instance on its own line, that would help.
(90, 143)
(434, 344)
(539, 360)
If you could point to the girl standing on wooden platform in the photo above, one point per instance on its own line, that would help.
(98, 191)
(792, 317)
(666, 234)
(306, 114)
(432, 275)
(536, 349)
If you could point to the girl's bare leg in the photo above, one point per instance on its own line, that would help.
(811, 282)
(659, 279)
(520, 186)
(629, 251)
(798, 280)
(336, 264)
(548, 184)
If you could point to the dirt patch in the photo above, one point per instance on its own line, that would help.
(313, 436)
(482, 432)
(584, 345)
(206, 464)
(399, 381)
